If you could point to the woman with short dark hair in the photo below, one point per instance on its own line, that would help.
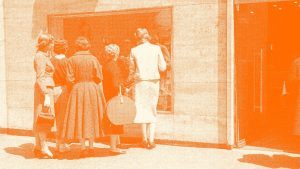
(86, 104)
(61, 92)
(43, 96)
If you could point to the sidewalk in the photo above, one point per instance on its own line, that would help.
(15, 153)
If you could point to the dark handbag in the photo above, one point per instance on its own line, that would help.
(46, 116)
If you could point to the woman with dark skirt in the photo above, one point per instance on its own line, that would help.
(61, 92)
(114, 76)
(43, 96)
(86, 104)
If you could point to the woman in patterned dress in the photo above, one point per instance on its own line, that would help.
(86, 104)
(43, 95)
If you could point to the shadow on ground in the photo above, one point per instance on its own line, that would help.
(286, 143)
(26, 151)
(274, 161)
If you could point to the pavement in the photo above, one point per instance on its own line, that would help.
(16, 153)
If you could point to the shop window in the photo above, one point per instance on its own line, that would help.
(118, 27)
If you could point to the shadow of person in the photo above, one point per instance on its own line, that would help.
(75, 153)
(24, 150)
(274, 161)
(128, 146)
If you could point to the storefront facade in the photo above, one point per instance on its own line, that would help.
(199, 35)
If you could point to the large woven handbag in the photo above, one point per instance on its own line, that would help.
(121, 110)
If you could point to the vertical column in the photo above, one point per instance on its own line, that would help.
(230, 72)
(3, 105)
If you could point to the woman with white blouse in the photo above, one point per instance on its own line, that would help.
(146, 62)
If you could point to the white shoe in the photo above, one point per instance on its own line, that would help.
(47, 153)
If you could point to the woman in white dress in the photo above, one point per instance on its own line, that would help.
(146, 61)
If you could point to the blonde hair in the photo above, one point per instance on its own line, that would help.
(44, 40)
(142, 34)
(112, 49)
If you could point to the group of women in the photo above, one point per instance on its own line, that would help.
(72, 92)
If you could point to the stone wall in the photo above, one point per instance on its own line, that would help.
(199, 64)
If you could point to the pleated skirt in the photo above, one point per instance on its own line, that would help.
(84, 112)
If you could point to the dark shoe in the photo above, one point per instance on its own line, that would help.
(152, 145)
(121, 146)
(84, 153)
(91, 152)
(144, 144)
(37, 152)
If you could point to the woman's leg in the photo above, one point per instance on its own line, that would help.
(113, 142)
(61, 145)
(118, 140)
(37, 146)
(91, 143)
(145, 131)
(44, 145)
(82, 143)
(152, 131)
(144, 143)
(151, 135)
(58, 142)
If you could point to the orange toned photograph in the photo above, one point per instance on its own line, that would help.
(149, 84)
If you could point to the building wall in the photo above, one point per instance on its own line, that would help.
(3, 110)
(199, 44)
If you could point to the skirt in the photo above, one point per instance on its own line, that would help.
(110, 128)
(44, 125)
(61, 96)
(146, 95)
(84, 112)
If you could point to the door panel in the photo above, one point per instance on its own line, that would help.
(250, 51)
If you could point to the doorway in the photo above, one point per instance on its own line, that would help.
(266, 43)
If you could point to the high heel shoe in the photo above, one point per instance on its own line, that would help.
(152, 145)
(46, 154)
(144, 144)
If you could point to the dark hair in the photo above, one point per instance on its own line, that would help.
(44, 40)
(60, 46)
(82, 43)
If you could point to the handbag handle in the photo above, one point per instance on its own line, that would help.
(121, 96)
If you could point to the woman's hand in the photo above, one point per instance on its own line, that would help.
(47, 101)
(127, 90)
